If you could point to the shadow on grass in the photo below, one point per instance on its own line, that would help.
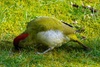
(8, 45)
(5, 45)
(72, 49)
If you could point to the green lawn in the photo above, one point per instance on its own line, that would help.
(15, 14)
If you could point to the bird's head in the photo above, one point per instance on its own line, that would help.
(18, 39)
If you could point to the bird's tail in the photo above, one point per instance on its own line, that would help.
(74, 38)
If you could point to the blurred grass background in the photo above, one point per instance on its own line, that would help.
(15, 14)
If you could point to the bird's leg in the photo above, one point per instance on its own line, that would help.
(51, 48)
(84, 46)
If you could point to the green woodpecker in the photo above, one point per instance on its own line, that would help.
(47, 31)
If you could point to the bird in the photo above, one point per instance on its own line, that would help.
(47, 31)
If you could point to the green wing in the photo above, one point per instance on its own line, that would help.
(46, 23)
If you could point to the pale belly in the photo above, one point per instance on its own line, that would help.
(52, 38)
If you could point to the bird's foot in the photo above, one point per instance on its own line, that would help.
(39, 53)
(45, 50)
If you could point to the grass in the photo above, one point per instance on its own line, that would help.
(14, 16)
